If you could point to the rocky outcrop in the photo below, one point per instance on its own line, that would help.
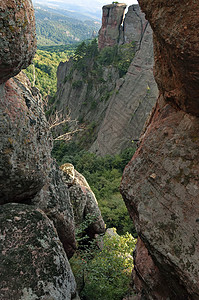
(25, 142)
(134, 26)
(34, 264)
(112, 18)
(115, 108)
(160, 184)
(28, 173)
(83, 200)
(30, 249)
(134, 97)
(17, 37)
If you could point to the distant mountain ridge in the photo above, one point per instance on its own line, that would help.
(87, 8)
(58, 27)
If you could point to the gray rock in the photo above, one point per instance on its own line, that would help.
(33, 264)
(28, 172)
(83, 200)
(25, 143)
(17, 38)
(130, 106)
(121, 106)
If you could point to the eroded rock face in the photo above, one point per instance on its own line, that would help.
(118, 107)
(134, 97)
(84, 203)
(160, 185)
(25, 143)
(176, 51)
(28, 173)
(134, 26)
(33, 264)
(112, 18)
(17, 37)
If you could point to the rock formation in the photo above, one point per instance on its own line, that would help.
(83, 200)
(112, 18)
(30, 249)
(135, 94)
(17, 37)
(118, 107)
(36, 212)
(160, 184)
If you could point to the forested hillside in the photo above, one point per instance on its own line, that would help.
(55, 27)
(42, 72)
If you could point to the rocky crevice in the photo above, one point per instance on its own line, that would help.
(160, 184)
(38, 229)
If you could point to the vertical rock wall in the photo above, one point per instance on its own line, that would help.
(135, 94)
(160, 184)
(112, 17)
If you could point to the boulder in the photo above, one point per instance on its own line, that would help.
(33, 264)
(17, 37)
(25, 142)
(83, 200)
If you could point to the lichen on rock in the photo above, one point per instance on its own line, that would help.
(83, 200)
(160, 184)
(17, 37)
(33, 264)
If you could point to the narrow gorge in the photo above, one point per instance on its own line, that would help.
(112, 90)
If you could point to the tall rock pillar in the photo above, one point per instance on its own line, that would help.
(111, 23)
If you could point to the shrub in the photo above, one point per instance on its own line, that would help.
(105, 274)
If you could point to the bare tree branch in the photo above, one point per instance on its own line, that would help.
(57, 120)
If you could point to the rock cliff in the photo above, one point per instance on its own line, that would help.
(160, 184)
(115, 106)
(112, 18)
(37, 233)
(134, 95)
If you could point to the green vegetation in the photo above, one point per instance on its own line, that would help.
(105, 274)
(55, 28)
(89, 60)
(104, 176)
(44, 67)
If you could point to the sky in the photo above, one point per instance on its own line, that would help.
(89, 7)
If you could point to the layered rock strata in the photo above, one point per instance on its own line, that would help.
(116, 107)
(160, 184)
(112, 18)
(134, 97)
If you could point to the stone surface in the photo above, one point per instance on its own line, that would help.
(112, 17)
(134, 26)
(160, 184)
(84, 203)
(28, 173)
(54, 200)
(176, 51)
(25, 143)
(17, 37)
(33, 262)
(120, 118)
(132, 102)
